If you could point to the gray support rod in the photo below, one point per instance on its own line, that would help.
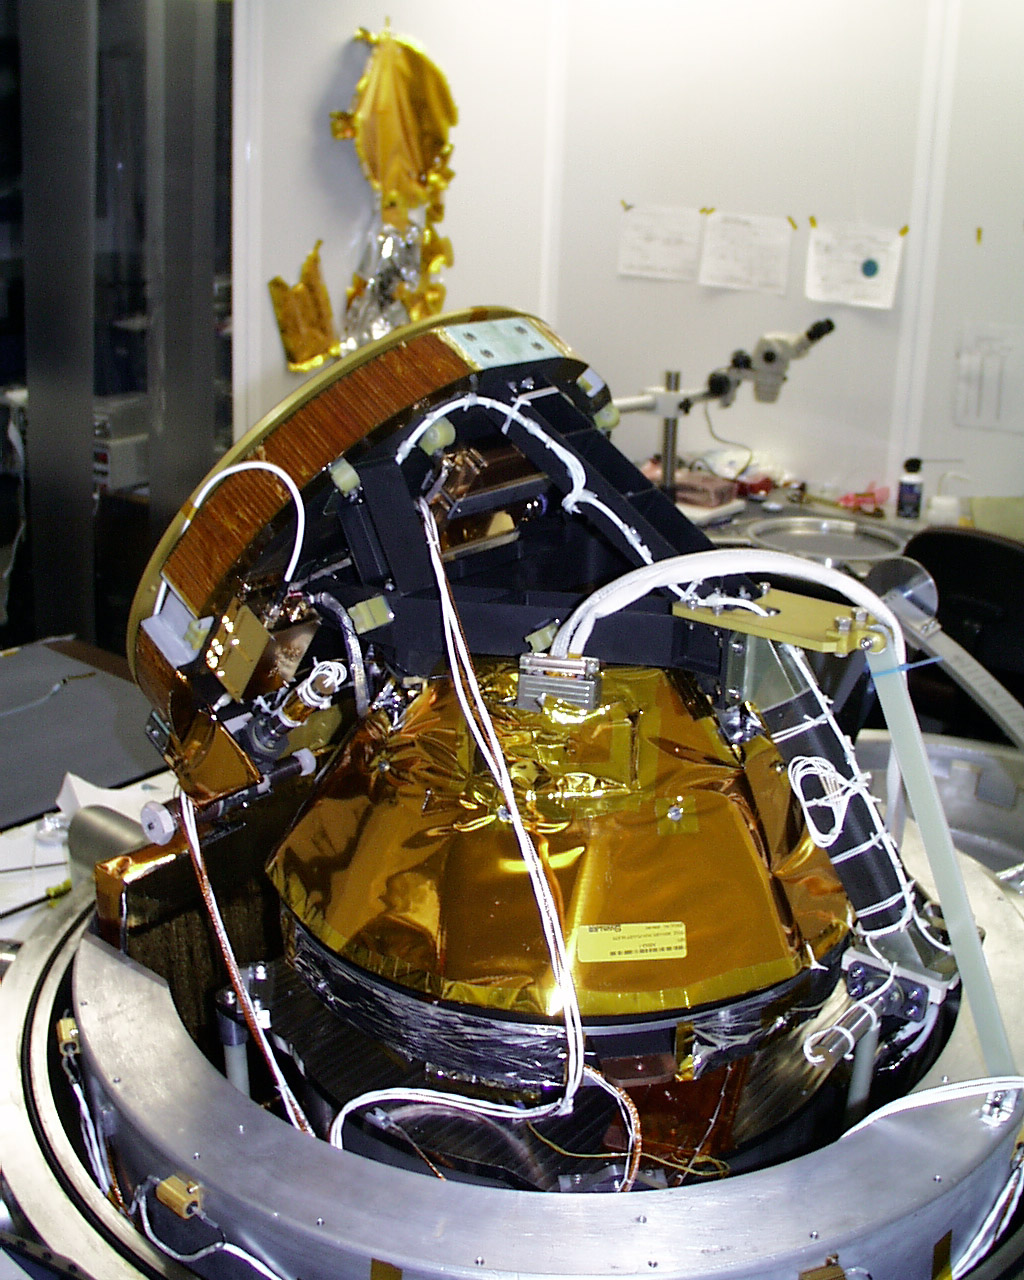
(58, 76)
(907, 743)
(180, 207)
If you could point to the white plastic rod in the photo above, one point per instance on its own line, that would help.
(908, 744)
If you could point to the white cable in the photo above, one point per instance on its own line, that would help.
(696, 568)
(481, 726)
(991, 1229)
(217, 1246)
(213, 481)
(699, 566)
(576, 472)
(865, 1006)
(837, 792)
(291, 1105)
(941, 1093)
(881, 837)
(90, 1137)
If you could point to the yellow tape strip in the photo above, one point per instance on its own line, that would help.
(942, 1267)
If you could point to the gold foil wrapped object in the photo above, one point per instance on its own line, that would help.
(305, 317)
(399, 120)
(681, 866)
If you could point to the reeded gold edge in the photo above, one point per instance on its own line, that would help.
(149, 583)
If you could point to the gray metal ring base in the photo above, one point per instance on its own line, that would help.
(884, 1199)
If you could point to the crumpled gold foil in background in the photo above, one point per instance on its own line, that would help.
(305, 316)
(405, 863)
(399, 120)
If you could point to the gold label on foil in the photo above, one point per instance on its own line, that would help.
(642, 940)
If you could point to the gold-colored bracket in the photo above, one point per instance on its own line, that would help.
(180, 1195)
(236, 647)
(794, 619)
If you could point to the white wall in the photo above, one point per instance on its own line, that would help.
(842, 110)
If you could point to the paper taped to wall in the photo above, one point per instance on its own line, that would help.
(989, 389)
(853, 264)
(657, 242)
(744, 251)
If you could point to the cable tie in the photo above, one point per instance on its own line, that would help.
(905, 666)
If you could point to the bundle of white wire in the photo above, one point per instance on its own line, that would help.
(480, 724)
(691, 570)
(578, 495)
(688, 572)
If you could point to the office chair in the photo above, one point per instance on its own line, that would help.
(980, 581)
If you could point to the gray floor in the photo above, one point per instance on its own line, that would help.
(59, 714)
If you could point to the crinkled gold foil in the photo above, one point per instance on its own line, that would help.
(399, 120)
(305, 317)
(406, 864)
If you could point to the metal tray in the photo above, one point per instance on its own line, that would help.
(826, 539)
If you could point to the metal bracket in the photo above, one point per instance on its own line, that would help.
(793, 619)
(912, 992)
(573, 680)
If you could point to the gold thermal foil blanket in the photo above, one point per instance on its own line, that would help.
(681, 867)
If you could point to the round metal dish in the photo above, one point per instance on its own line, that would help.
(829, 540)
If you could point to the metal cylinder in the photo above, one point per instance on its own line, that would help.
(669, 445)
(97, 833)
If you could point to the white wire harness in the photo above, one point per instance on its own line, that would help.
(578, 494)
(253, 464)
(481, 726)
(689, 571)
(222, 1246)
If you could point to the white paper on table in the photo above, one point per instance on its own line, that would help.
(989, 387)
(76, 793)
(853, 264)
(746, 251)
(659, 243)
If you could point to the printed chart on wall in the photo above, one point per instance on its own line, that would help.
(743, 251)
(856, 265)
(659, 243)
(989, 386)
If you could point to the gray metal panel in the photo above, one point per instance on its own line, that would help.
(180, 209)
(58, 70)
(881, 1197)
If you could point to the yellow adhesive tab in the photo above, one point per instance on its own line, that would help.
(641, 940)
(942, 1267)
(904, 229)
(792, 221)
(813, 220)
(384, 1270)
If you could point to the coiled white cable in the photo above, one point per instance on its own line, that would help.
(836, 794)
